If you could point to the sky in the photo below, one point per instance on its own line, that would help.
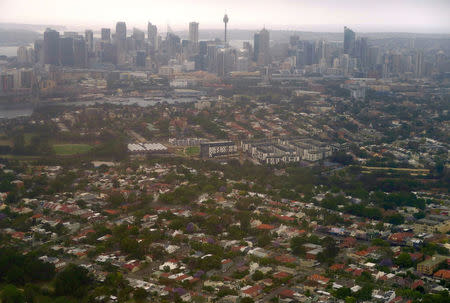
(420, 16)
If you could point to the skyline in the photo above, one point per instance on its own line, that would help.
(402, 16)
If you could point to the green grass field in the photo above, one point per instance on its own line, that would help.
(27, 138)
(192, 151)
(71, 149)
(188, 151)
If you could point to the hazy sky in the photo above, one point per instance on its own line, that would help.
(331, 15)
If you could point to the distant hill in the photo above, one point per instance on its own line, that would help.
(13, 34)
(40, 28)
(17, 37)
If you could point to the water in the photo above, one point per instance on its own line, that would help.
(9, 51)
(11, 113)
(25, 110)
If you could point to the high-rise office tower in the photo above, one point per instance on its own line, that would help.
(39, 51)
(344, 61)
(321, 50)
(80, 50)
(349, 40)
(140, 58)
(106, 34)
(193, 35)
(373, 57)
(121, 30)
(22, 55)
(152, 32)
(256, 39)
(172, 45)
(108, 53)
(138, 39)
(262, 47)
(247, 46)
(51, 47)
(294, 40)
(309, 54)
(418, 64)
(202, 47)
(66, 55)
(89, 38)
(225, 21)
(225, 61)
(363, 54)
(200, 58)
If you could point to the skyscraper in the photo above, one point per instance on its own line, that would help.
(39, 51)
(193, 35)
(363, 54)
(66, 54)
(80, 51)
(22, 55)
(106, 34)
(138, 39)
(172, 45)
(418, 66)
(321, 51)
(262, 47)
(152, 32)
(256, 38)
(309, 54)
(349, 40)
(121, 30)
(51, 47)
(140, 58)
(89, 38)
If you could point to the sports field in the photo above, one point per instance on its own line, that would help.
(71, 149)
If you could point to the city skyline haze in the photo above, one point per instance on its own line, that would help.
(326, 15)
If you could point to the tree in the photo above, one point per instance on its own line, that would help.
(18, 144)
(10, 294)
(404, 260)
(247, 300)
(330, 250)
(395, 219)
(365, 293)
(350, 300)
(343, 293)
(18, 269)
(72, 281)
(30, 292)
(419, 215)
(258, 275)
(297, 245)
(140, 295)
(264, 240)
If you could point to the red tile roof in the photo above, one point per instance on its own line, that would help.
(337, 267)
(265, 227)
(281, 275)
(285, 259)
(442, 274)
(286, 293)
(317, 278)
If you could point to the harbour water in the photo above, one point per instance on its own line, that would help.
(10, 113)
(9, 51)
